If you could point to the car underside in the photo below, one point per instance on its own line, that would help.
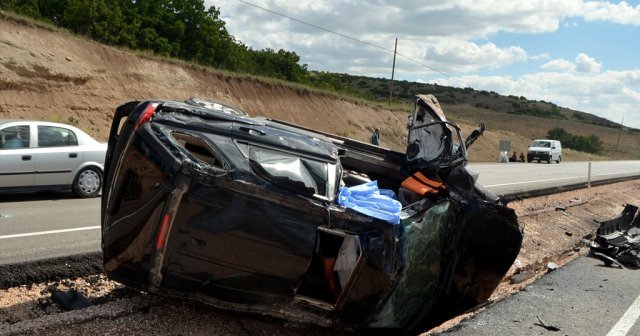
(201, 201)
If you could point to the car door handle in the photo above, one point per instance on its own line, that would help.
(26, 157)
(73, 155)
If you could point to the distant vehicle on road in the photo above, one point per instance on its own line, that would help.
(38, 155)
(545, 150)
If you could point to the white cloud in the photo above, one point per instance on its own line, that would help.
(447, 36)
(570, 24)
(466, 56)
(584, 63)
(560, 65)
(632, 94)
(543, 56)
(621, 12)
(607, 94)
(441, 34)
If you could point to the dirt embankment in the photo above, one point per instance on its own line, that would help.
(52, 76)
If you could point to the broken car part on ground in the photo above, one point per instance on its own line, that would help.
(258, 215)
(618, 240)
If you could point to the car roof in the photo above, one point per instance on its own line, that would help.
(4, 121)
(79, 132)
(36, 122)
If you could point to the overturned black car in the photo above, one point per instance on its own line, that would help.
(261, 216)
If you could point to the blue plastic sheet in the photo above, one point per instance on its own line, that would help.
(371, 201)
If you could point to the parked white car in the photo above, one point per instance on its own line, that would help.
(545, 150)
(38, 155)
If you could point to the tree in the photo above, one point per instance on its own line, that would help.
(591, 144)
(176, 28)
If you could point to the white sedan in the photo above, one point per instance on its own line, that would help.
(38, 155)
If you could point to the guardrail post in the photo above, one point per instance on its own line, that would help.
(589, 176)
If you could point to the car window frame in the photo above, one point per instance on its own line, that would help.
(334, 169)
(29, 138)
(71, 132)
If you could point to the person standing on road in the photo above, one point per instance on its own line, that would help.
(375, 137)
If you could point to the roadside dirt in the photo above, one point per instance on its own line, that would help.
(554, 229)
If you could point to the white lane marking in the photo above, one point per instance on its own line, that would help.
(556, 179)
(627, 320)
(29, 234)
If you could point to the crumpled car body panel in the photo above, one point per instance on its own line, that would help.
(201, 201)
(618, 240)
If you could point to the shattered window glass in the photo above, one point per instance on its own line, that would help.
(458, 149)
(303, 174)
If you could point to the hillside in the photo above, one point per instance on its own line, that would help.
(51, 75)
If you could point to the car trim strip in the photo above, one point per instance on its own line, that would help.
(37, 172)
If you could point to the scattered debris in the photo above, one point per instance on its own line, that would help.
(521, 277)
(546, 326)
(518, 266)
(566, 231)
(608, 261)
(551, 266)
(618, 240)
(562, 207)
(70, 299)
(520, 273)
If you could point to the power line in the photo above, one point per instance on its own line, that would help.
(347, 37)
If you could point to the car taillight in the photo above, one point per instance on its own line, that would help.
(146, 115)
(161, 238)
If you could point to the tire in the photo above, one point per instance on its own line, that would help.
(88, 182)
(559, 159)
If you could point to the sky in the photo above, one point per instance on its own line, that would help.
(584, 55)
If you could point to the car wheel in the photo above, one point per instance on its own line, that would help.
(88, 182)
(559, 159)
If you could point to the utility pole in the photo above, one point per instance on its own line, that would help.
(393, 70)
(619, 133)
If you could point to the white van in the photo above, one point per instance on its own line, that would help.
(545, 150)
